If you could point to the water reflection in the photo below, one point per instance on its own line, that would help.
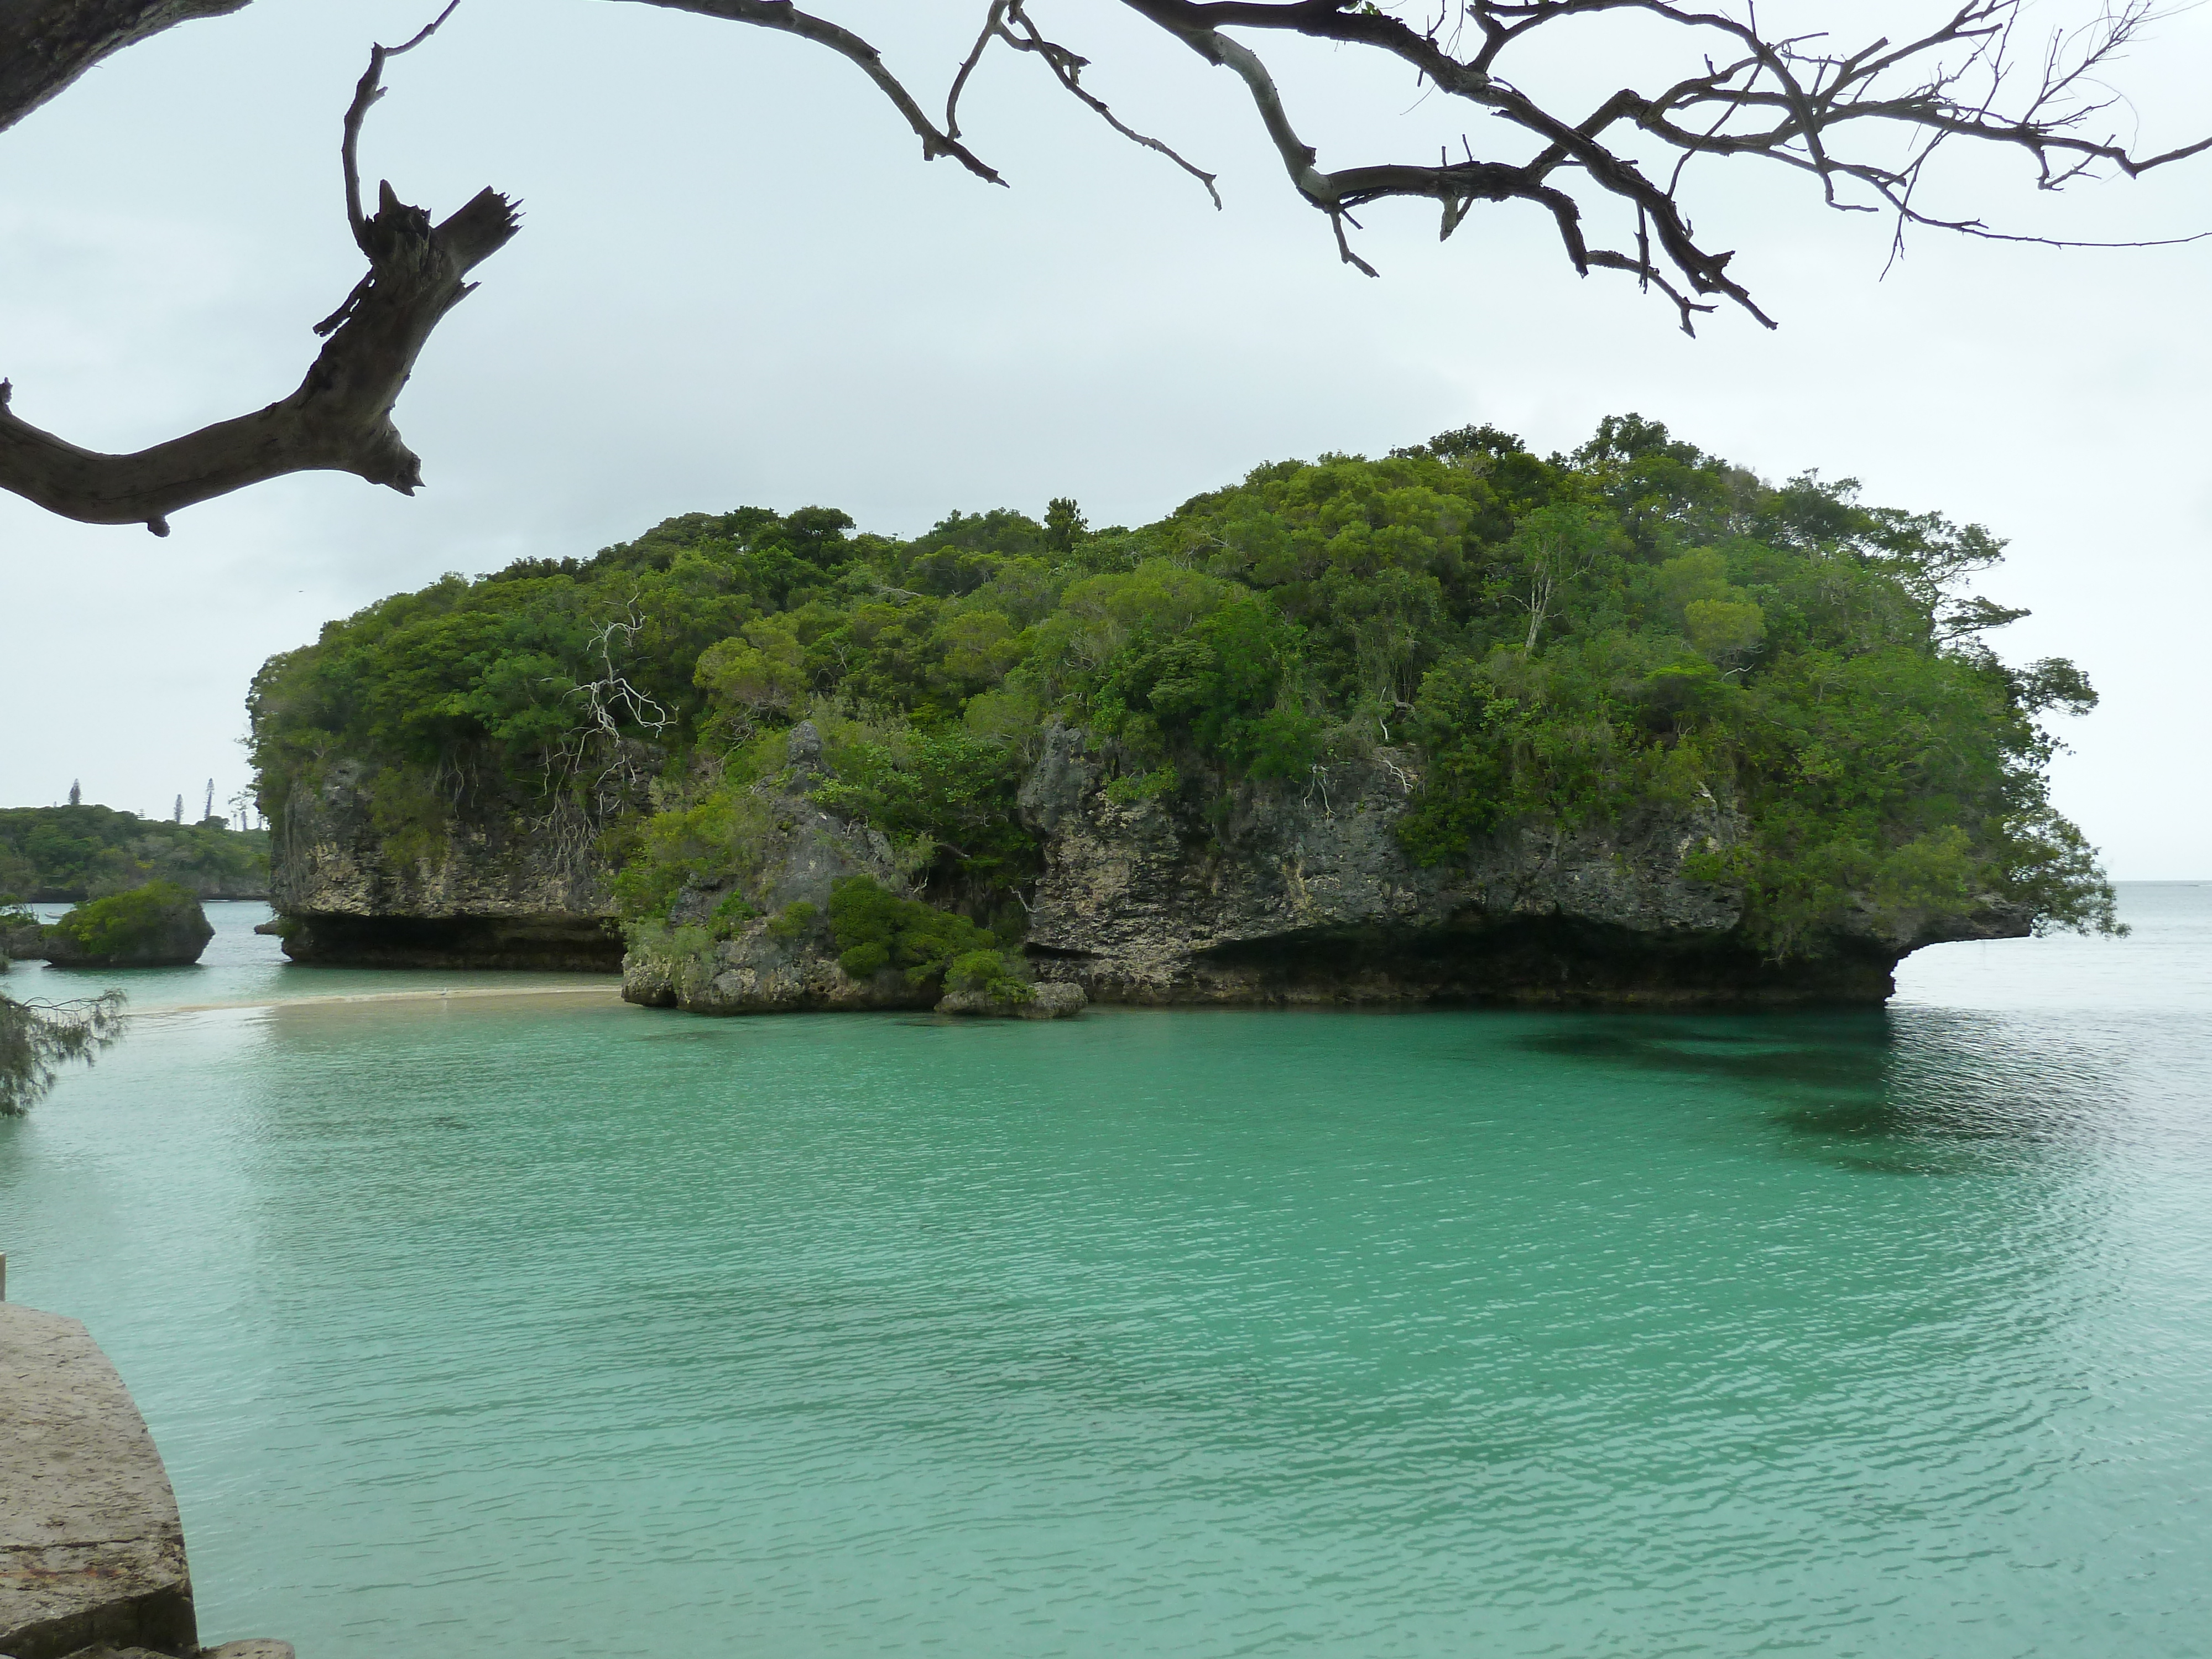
(1911, 1090)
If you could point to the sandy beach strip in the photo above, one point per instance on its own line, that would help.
(607, 993)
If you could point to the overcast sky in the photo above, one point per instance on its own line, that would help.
(738, 284)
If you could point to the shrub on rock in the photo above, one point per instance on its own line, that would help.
(875, 929)
(1051, 999)
(160, 925)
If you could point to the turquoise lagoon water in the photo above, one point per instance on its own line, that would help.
(540, 1325)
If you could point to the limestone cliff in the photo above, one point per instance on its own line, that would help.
(1306, 896)
(479, 889)
(1291, 896)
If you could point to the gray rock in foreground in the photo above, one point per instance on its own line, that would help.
(92, 1555)
(91, 1550)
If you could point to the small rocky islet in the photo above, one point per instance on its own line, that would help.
(157, 925)
(1629, 726)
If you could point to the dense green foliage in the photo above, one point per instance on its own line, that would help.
(67, 853)
(875, 929)
(1634, 628)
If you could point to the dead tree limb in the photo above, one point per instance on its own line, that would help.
(339, 419)
(1863, 123)
(46, 44)
(1797, 102)
(787, 19)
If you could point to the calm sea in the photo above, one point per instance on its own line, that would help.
(539, 1325)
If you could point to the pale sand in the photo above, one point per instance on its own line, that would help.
(608, 994)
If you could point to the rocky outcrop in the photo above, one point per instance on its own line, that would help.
(1051, 999)
(759, 941)
(780, 955)
(489, 889)
(1307, 896)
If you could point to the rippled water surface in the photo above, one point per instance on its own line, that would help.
(540, 1325)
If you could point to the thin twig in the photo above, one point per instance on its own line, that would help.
(364, 95)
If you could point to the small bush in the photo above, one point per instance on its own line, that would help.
(984, 970)
(687, 954)
(731, 914)
(720, 839)
(793, 919)
(875, 929)
(1130, 788)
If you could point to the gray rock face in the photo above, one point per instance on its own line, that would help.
(91, 1550)
(1299, 894)
(495, 893)
(804, 747)
(780, 959)
(1306, 896)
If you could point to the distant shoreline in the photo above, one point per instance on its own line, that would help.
(49, 897)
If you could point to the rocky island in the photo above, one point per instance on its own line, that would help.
(160, 925)
(1628, 726)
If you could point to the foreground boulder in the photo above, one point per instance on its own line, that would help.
(91, 1553)
(160, 925)
(90, 1546)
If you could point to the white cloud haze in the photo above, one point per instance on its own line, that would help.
(737, 282)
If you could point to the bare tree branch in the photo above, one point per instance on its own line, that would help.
(993, 24)
(1067, 69)
(782, 16)
(339, 419)
(1790, 101)
(1867, 122)
(45, 45)
(365, 94)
